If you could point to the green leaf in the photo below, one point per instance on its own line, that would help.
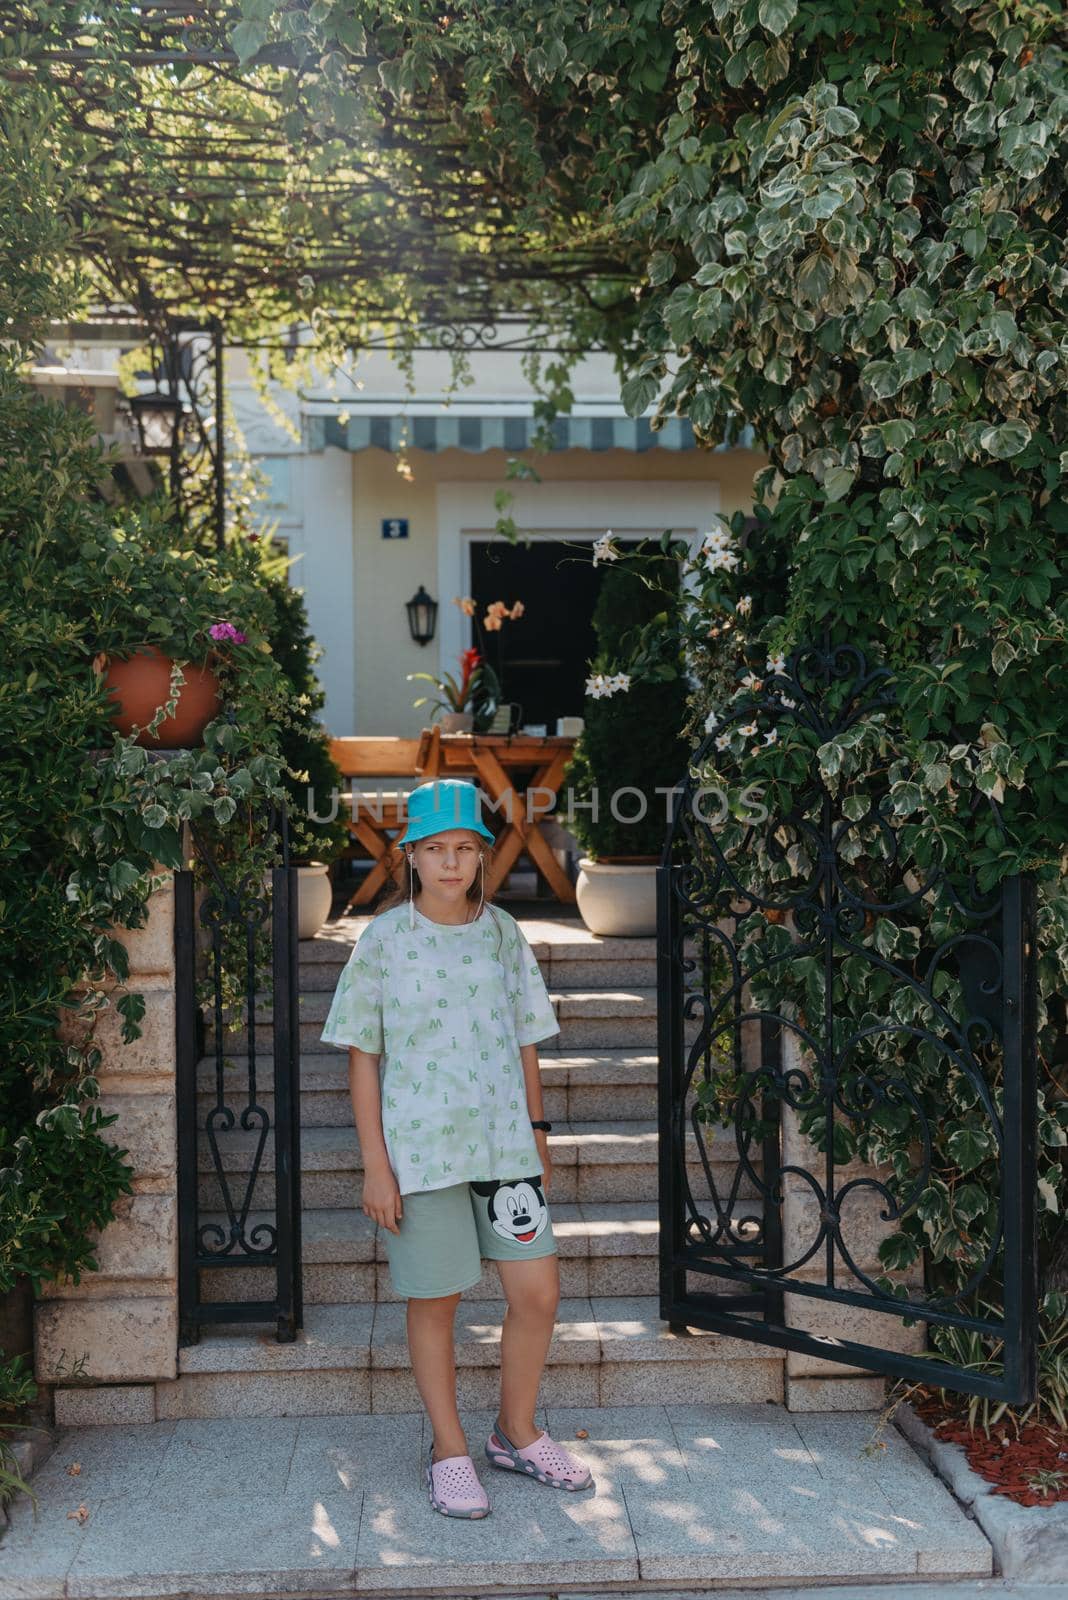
(837, 483)
(638, 394)
(661, 267)
(1002, 656)
(841, 121)
(1006, 440)
(776, 15)
(973, 241)
(968, 1146)
(897, 1251)
(122, 875)
(974, 76)
(246, 39)
(900, 185)
(814, 276)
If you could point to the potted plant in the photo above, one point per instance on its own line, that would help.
(470, 705)
(631, 746)
(460, 702)
(148, 681)
(311, 778)
(161, 664)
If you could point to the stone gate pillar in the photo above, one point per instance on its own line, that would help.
(813, 1383)
(105, 1341)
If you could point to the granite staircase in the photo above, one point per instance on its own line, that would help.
(297, 1469)
(610, 1346)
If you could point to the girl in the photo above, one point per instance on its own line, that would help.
(444, 989)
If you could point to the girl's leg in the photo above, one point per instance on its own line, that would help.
(532, 1289)
(432, 1349)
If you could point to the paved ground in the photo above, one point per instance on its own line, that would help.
(686, 1496)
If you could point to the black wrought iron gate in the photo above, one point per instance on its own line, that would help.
(234, 1213)
(798, 1200)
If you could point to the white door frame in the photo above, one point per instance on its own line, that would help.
(585, 509)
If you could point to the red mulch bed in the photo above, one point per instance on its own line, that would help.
(1011, 1457)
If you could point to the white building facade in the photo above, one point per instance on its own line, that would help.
(377, 493)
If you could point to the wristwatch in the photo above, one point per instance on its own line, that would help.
(542, 1124)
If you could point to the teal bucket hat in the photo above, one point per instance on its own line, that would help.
(443, 803)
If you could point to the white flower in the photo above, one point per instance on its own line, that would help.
(721, 560)
(710, 721)
(717, 535)
(723, 741)
(717, 551)
(776, 663)
(772, 736)
(744, 604)
(604, 549)
(603, 684)
(790, 705)
(749, 730)
(751, 681)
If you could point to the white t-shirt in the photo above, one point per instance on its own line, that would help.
(447, 1017)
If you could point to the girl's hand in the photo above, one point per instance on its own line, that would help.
(541, 1139)
(382, 1197)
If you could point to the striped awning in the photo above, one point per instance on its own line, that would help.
(460, 432)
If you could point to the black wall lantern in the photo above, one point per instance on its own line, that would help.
(422, 615)
(158, 417)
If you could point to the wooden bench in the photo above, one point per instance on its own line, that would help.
(494, 762)
(374, 820)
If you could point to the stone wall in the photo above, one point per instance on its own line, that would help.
(103, 1342)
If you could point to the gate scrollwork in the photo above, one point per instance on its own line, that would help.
(826, 990)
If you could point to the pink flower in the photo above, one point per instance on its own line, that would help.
(227, 631)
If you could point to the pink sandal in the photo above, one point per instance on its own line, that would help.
(543, 1459)
(455, 1489)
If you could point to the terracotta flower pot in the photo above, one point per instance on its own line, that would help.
(140, 685)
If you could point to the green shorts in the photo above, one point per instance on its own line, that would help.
(443, 1234)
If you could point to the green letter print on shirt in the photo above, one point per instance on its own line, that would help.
(447, 1081)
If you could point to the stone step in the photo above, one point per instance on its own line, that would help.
(715, 1501)
(593, 1019)
(605, 1249)
(353, 1359)
(591, 1161)
(570, 956)
(577, 1085)
(559, 971)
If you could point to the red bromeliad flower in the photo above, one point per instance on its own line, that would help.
(469, 661)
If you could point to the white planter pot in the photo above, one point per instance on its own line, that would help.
(616, 898)
(314, 897)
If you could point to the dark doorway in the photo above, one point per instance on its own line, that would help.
(542, 657)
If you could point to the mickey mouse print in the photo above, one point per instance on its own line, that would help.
(515, 1209)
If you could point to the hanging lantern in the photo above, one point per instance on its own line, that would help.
(158, 417)
(422, 614)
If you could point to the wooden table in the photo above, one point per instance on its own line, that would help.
(496, 761)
